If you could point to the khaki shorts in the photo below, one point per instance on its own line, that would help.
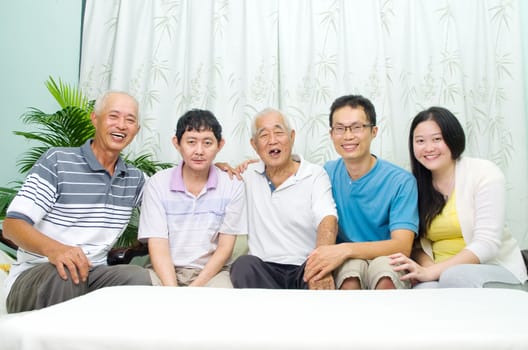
(369, 272)
(185, 276)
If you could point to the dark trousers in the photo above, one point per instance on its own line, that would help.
(41, 286)
(249, 271)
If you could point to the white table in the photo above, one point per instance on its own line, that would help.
(205, 318)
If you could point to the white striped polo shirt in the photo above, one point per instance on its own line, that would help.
(70, 197)
(192, 223)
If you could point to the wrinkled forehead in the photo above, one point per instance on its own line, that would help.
(271, 121)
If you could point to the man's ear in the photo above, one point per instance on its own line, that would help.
(253, 144)
(221, 144)
(93, 118)
(175, 142)
(374, 131)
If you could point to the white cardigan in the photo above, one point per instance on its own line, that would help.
(480, 205)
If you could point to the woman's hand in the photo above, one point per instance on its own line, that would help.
(414, 272)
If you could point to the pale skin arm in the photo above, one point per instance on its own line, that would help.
(433, 271)
(161, 261)
(61, 255)
(226, 167)
(235, 171)
(327, 258)
(223, 252)
(326, 236)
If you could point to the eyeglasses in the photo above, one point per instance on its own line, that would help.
(355, 129)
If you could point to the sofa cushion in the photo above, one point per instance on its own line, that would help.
(5, 264)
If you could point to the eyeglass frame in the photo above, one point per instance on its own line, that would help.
(355, 129)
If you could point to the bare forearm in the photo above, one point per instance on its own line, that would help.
(463, 257)
(319, 265)
(217, 261)
(368, 250)
(27, 237)
(64, 257)
(161, 261)
(327, 231)
(213, 266)
(400, 242)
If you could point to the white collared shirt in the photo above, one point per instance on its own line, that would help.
(283, 224)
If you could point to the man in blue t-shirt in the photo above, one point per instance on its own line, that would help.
(377, 204)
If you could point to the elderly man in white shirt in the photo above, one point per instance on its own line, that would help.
(291, 211)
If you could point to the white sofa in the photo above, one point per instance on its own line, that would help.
(141, 317)
(240, 248)
(199, 318)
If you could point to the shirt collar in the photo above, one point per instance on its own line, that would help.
(300, 174)
(177, 183)
(95, 165)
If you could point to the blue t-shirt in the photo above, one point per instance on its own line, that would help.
(370, 208)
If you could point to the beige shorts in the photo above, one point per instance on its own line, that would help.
(185, 276)
(369, 272)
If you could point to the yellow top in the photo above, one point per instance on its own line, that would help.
(445, 233)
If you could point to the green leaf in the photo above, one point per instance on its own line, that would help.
(67, 95)
(6, 196)
(145, 163)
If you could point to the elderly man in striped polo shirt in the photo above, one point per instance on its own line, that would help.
(73, 206)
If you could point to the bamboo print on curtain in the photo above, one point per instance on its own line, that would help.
(236, 57)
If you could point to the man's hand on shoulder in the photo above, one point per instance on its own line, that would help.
(237, 172)
(226, 167)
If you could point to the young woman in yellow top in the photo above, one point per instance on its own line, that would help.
(461, 204)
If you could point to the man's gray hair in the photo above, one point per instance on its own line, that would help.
(101, 100)
(267, 111)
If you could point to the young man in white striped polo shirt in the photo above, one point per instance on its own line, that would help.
(73, 206)
(191, 213)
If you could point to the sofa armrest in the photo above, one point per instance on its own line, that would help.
(524, 253)
(7, 242)
(7, 245)
(118, 256)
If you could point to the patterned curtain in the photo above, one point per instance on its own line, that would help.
(236, 57)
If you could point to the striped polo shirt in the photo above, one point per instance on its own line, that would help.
(70, 197)
(192, 223)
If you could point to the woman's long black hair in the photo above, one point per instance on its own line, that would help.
(430, 201)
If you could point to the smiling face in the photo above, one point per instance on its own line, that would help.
(429, 147)
(272, 140)
(198, 149)
(354, 144)
(116, 123)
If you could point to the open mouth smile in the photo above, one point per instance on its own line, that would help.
(118, 135)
